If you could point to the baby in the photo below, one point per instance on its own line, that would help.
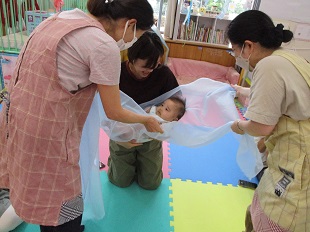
(172, 109)
(167, 113)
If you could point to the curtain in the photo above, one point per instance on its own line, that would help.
(256, 4)
(170, 18)
(166, 48)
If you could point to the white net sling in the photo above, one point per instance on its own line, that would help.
(210, 112)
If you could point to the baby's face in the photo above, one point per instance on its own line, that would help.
(168, 110)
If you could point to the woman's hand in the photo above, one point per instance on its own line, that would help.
(252, 128)
(111, 102)
(152, 125)
(241, 91)
(261, 145)
(236, 127)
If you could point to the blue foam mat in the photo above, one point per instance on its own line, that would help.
(214, 163)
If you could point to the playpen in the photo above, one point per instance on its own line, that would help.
(19, 17)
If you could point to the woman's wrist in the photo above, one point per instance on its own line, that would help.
(147, 119)
(238, 125)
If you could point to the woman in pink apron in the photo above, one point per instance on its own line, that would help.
(66, 59)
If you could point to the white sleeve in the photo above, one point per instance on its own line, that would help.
(9, 220)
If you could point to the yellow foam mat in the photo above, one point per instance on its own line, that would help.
(207, 207)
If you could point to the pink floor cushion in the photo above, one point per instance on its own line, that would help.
(187, 70)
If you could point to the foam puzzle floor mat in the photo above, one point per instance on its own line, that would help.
(131, 209)
(180, 206)
(207, 207)
(201, 194)
(214, 163)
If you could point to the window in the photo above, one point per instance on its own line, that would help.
(227, 9)
(230, 8)
(160, 8)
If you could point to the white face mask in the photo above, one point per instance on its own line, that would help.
(243, 62)
(122, 44)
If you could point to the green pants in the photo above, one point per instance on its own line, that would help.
(142, 163)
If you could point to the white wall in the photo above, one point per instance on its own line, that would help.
(295, 10)
(292, 14)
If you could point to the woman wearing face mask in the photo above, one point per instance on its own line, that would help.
(65, 61)
(279, 109)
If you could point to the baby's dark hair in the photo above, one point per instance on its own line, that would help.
(256, 26)
(181, 103)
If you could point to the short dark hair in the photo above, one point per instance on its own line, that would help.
(182, 105)
(256, 26)
(141, 10)
(148, 47)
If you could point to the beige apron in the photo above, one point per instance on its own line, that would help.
(284, 191)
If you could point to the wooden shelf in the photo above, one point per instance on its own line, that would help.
(213, 53)
(201, 44)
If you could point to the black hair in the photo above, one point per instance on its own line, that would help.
(141, 10)
(182, 105)
(256, 26)
(148, 47)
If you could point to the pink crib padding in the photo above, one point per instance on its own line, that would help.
(187, 70)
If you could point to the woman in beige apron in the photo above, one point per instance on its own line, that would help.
(279, 109)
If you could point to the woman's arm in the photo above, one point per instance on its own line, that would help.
(252, 128)
(110, 98)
